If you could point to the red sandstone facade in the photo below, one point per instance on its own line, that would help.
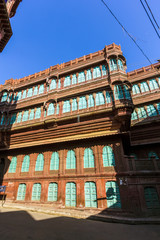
(92, 127)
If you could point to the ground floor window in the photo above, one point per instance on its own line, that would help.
(151, 198)
(21, 191)
(90, 195)
(52, 192)
(36, 192)
(70, 194)
(113, 195)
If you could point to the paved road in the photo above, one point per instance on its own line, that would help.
(22, 225)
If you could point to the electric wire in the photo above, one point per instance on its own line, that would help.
(152, 14)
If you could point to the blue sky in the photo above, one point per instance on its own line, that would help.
(49, 32)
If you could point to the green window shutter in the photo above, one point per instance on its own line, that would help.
(113, 195)
(54, 164)
(81, 77)
(71, 194)
(71, 160)
(90, 195)
(39, 163)
(25, 164)
(90, 101)
(36, 192)
(88, 158)
(13, 165)
(50, 109)
(151, 198)
(53, 192)
(21, 192)
(89, 75)
(74, 79)
(108, 157)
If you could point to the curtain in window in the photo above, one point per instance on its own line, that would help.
(108, 157)
(39, 163)
(71, 160)
(25, 164)
(54, 164)
(13, 165)
(88, 158)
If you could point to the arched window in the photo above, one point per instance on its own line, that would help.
(74, 79)
(134, 115)
(153, 84)
(70, 194)
(53, 84)
(113, 64)
(144, 87)
(113, 195)
(67, 81)
(25, 164)
(153, 155)
(90, 101)
(25, 116)
(39, 163)
(108, 97)
(135, 89)
(71, 160)
(151, 110)
(4, 97)
(31, 115)
(38, 113)
(104, 72)
(74, 104)
(66, 106)
(53, 192)
(35, 92)
(142, 112)
(108, 157)
(24, 94)
(36, 192)
(82, 103)
(89, 75)
(118, 93)
(13, 118)
(96, 72)
(90, 195)
(54, 164)
(21, 192)
(120, 65)
(50, 109)
(100, 99)
(30, 92)
(88, 158)
(126, 92)
(151, 198)
(81, 77)
(13, 165)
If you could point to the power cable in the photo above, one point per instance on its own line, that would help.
(127, 32)
(152, 14)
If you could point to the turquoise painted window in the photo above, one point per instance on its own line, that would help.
(54, 164)
(81, 77)
(13, 165)
(100, 99)
(88, 158)
(53, 84)
(13, 118)
(50, 109)
(142, 112)
(4, 97)
(151, 198)
(70, 194)
(108, 157)
(31, 115)
(144, 87)
(120, 65)
(113, 64)
(39, 163)
(134, 115)
(96, 72)
(108, 97)
(82, 103)
(3, 120)
(19, 117)
(67, 81)
(21, 192)
(38, 113)
(66, 106)
(10, 98)
(71, 160)
(25, 164)
(24, 94)
(53, 192)
(35, 92)
(19, 96)
(153, 84)
(126, 92)
(59, 83)
(113, 195)
(151, 110)
(25, 116)
(118, 93)
(41, 88)
(74, 79)
(74, 104)
(104, 72)
(90, 195)
(89, 75)
(135, 89)
(57, 110)
(153, 155)
(36, 192)
(30, 92)
(158, 107)
(90, 101)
